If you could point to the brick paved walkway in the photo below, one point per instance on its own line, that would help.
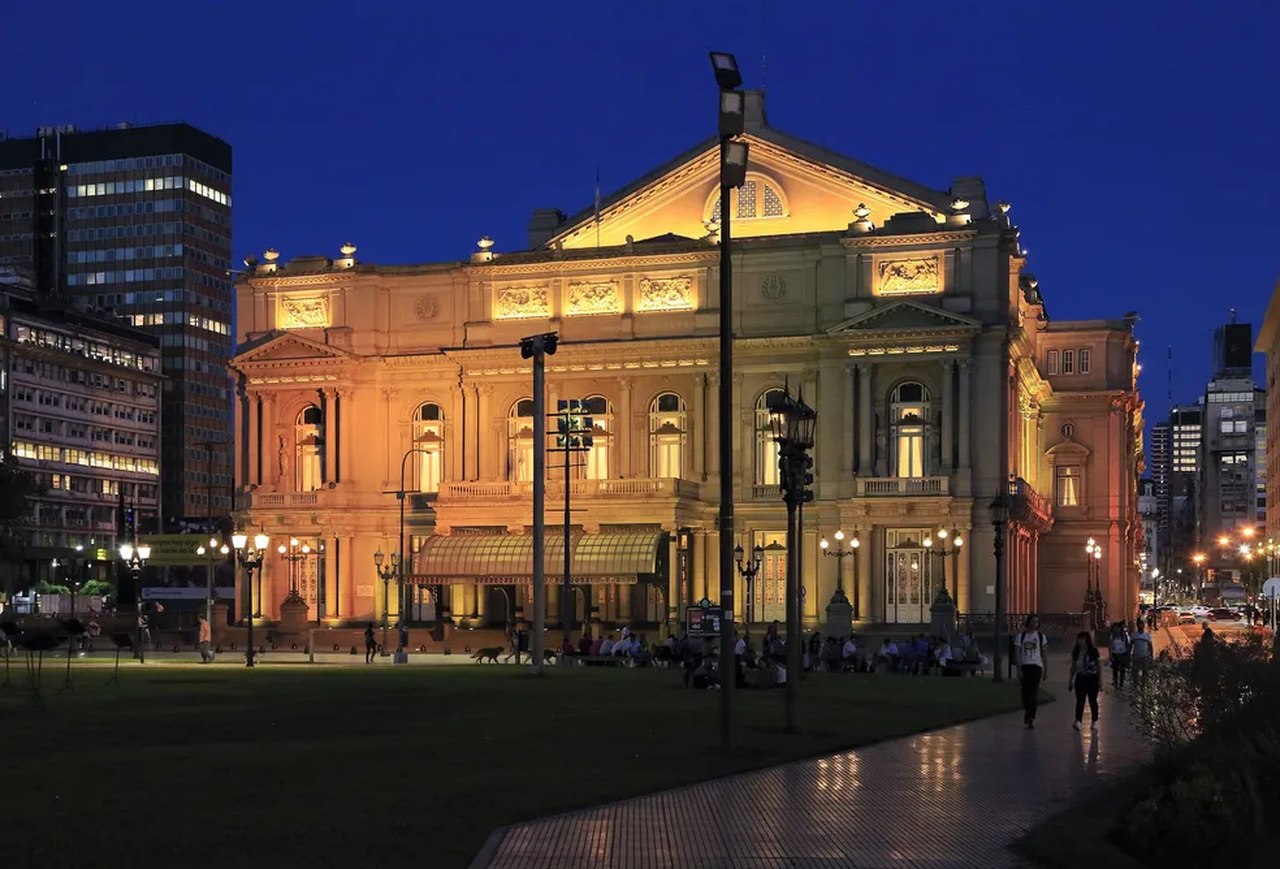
(952, 798)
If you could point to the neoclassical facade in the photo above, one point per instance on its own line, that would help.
(904, 313)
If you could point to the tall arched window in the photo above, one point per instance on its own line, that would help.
(428, 440)
(308, 439)
(767, 470)
(668, 428)
(909, 417)
(597, 458)
(520, 441)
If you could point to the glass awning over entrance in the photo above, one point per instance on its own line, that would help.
(496, 559)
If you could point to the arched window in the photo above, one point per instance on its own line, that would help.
(909, 417)
(308, 439)
(767, 455)
(668, 428)
(759, 196)
(428, 441)
(520, 441)
(597, 458)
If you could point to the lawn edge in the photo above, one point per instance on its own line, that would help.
(1056, 843)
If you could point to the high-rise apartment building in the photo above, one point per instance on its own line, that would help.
(80, 409)
(135, 222)
(1185, 433)
(1161, 469)
(1234, 437)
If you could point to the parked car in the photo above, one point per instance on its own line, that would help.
(1224, 614)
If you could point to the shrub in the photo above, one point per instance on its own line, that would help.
(96, 588)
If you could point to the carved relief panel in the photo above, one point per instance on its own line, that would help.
(907, 276)
(309, 311)
(521, 303)
(593, 297)
(665, 294)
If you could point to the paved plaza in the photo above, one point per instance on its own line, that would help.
(957, 797)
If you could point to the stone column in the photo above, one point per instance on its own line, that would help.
(965, 459)
(330, 403)
(485, 440)
(701, 441)
(673, 580)
(330, 580)
(948, 414)
(849, 417)
(269, 445)
(713, 425)
(253, 454)
(743, 439)
(454, 429)
(865, 611)
(698, 567)
(625, 462)
(964, 572)
(866, 401)
(347, 415)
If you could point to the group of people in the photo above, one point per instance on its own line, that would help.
(630, 647)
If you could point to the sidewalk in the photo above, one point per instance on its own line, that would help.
(952, 798)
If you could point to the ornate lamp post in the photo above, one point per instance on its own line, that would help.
(296, 551)
(999, 508)
(538, 348)
(748, 570)
(386, 573)
(135, 558)
(838, 608)
(213, 550)
(941, 548)
(1093, 585)
(573, 435)
(251, 560)
(793, 423)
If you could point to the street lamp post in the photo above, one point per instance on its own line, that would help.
(733, 172)
(135, 557)
(295, 552)
(77, 574)
(213, 550)
(748, 570)
(999, 507)
(840, 554)
(405, 606)
(537, 348)
(1093, 605)
(793, 423)
(251, 560)
(943, 550)
(386, 573)
(573, 435)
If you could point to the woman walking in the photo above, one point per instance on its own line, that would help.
(1085, 678)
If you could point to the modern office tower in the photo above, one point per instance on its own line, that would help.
(1161, 468)
(1233, 410)
(1185, 431)
(135, 222)
(80, 401)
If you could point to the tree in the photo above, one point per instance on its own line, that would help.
(17, 487)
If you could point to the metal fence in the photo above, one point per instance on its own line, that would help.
(984, 623)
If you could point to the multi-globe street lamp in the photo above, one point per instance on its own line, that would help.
(748, 570)
(252, 560)
(733, 173)
(840, 553)
(295, 552)
(573, 435)
(135, 557)
(793, 423)
(211, 551)
(1094, 605)
(386, 573)
(948, 544)
(1000, 507)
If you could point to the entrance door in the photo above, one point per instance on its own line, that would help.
(905, 597)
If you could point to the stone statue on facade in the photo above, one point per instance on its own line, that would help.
(282, 460)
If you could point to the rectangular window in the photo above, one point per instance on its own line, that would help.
(1051, 362)
(1068, 361)
(1068, 486)
(1084, 360)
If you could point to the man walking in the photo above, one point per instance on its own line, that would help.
(1031, 658)
(205, 641)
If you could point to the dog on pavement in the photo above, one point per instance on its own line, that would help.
(488, 653)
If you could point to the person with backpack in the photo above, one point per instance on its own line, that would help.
(1085, 678)
(1120, 648)
(1141, 653)
(1031, 659)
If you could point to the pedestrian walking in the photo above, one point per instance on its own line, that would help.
(1031, 658)
(1141, 653)
(1085, 678)
(205, 641)
(1119, 654)
(370, 643)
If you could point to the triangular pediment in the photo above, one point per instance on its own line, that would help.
(904, 316)
(284, 347)
(794, 187)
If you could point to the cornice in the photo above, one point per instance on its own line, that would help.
(336, 280)
(570, 265)
(907, 239)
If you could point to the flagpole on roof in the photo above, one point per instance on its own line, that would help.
(597, 206)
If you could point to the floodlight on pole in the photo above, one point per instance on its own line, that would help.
(725, 66)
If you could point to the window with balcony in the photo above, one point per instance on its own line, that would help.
(520, 441)
(308, 439)
(909, 412)
(668, 429)
(597, 458)
(428, 443)
(767, 455)
(1067, 485)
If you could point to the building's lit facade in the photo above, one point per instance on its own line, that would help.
(904, 313)
(81, 412)
(1269, 343)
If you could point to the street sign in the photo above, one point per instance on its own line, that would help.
(1271, 588)
(175, 550)
(185, 593)
(704, 621)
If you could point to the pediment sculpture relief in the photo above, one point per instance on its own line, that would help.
(665, 294)
(908, 276)
(521, 303)
(303, 312)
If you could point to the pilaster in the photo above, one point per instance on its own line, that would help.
(948, 414)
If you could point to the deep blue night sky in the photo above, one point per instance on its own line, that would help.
(1137, 142)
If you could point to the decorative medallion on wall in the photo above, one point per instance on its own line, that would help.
(302, 312)
(594, 297)
(774, 288)
(902, 277)
(521, 303)
(665, 294)
(426, 308)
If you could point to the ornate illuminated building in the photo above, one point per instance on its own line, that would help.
(904, 313)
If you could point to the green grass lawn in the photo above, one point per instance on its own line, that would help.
(354, 766)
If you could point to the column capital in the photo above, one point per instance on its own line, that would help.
(484, 389)
(948, 363)
(625, 382)
(965, 363)
(700, 378)
(864, 368)
(390, 392)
